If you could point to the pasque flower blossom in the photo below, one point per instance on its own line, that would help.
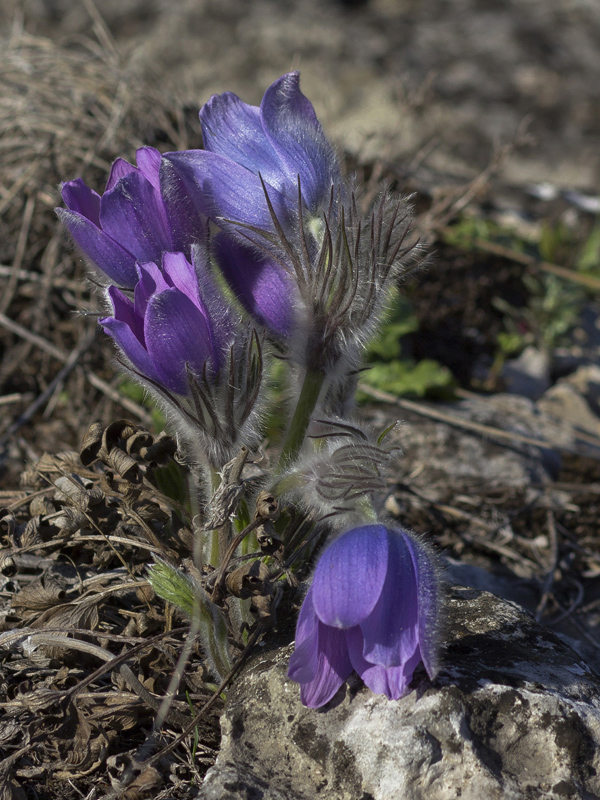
(274, 154)
(132, 221)
(373, 607)
(294, 246)
(170, 327)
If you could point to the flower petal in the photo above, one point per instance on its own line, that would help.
(131, 346)
(177, 333)
(180, 273)
(148, 161)
(220, 310)
(262, 286)
(116, 262)
(81, 199)
(350, 576)
(393, 682)
(305, 658)
(220, 188)
(119, 169)
(333, 667)
(391, 631)
(234, 129)
(429, 604)
(290, 122)
(132, 213)
(186, 209)
(151, 281)
(124, 311)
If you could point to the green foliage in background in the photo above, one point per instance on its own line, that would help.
(128, 388)
(388, 371)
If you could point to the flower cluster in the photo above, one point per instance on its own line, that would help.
(208, 261)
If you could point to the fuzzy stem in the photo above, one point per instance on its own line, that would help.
(309, 397)
(220, 536)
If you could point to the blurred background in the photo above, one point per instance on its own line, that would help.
(488, 111)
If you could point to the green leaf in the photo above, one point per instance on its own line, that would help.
(407, 378)
(170, 479)
(182, 591)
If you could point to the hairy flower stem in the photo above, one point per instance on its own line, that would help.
(309, 396)
(220, 536)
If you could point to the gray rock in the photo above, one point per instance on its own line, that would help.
(513, 714)
(575, 399)
(565, 403)
(529, 374)
(441, 461)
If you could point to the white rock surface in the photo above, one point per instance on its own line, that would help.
(514, 713)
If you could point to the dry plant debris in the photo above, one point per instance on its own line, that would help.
(87, 650)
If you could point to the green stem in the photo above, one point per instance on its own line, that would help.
(218, 536)
(309, 396)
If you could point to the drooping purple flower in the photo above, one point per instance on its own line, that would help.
(170, 326)
(373, 607)
(131, 222)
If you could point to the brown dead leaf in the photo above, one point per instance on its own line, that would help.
(70, 615)
(11, 790)
(38, 596)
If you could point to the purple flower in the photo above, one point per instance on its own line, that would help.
(132, 221)
(261, 168)
(373, 607)
(294, 246)
(169, 326)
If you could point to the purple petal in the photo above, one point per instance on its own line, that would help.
(187, 209)
(223, 189)
(262, 286)
(390, 681)
(104, 252)
(350, 576)
(151, 281)
(290, 122)
(119, 169)
(148, 160)
(177, 333)
(333, 667)
(124, 311)
(305, 658)
(81, 199)
(131, 346)
(234, 129)
(180, 273)
(221, 312)
(391, 631)
(429, 603)
(133, 214)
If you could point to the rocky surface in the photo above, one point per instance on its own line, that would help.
(514, 713)
(440, 459)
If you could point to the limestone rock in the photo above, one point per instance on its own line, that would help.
(529, 374)
(514, 713)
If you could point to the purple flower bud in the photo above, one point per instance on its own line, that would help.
(373, 607)
(169, 327)
(132, 221)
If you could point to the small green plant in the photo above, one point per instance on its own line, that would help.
(388, 371)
